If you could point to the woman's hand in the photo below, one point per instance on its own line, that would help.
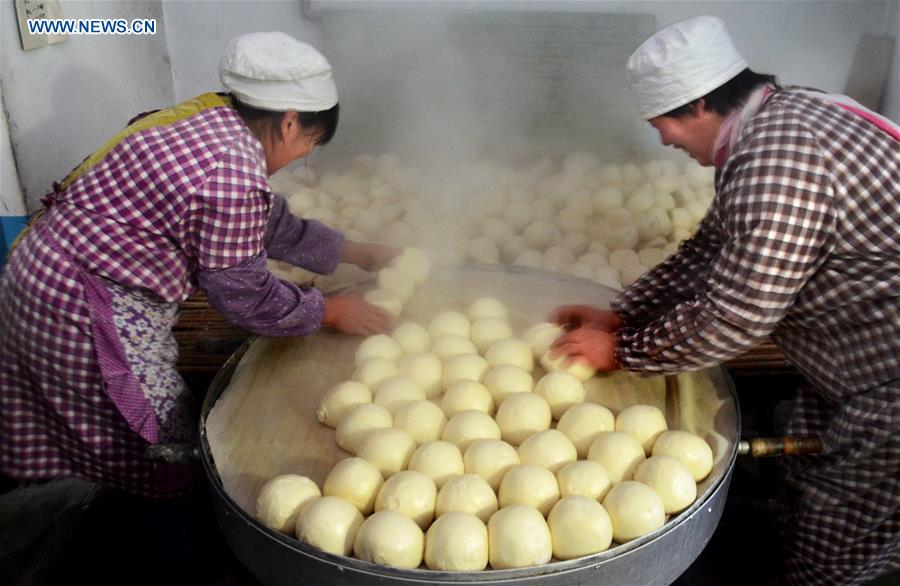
(351, 314)
(591, 345)
(572, 317)
(369, 256)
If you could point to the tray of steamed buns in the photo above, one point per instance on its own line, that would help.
(455, 449)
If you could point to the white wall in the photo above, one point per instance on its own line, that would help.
(64, 101)
(11, 200)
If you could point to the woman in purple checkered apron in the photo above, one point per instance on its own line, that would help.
(177, 201)
(801, 243)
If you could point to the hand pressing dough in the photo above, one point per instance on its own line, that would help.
(634, 509)
(619, 453)
(340, 399)
(447, 346)
(522, 415)
(464, 367)
(396, 391)
(584, 478)
(387, 299)
(506, 379)
(468, 493)
(329, 523)
(387, 449)
(282, 498)
(410, 493)
(390, 539)
(438, 460)
(518, 537)
(583, 423)
(412, 338)
(378, 346)
(457, 542)
(373, 371)
(356, 481)
(490, 459)
(527, 484)
(468, 426)
(486, 331)
(540, 337)
(645, 422)
(689, 449)
(358, 422)
(422, 419)
(396, 280)
(670, 479)
(487, 308)
(578, 369)
(466, 395)
(579, 526)
(561, 390)
(415, 263)
(449, 323)
(511, 351)
(424, 369)
(549, 449)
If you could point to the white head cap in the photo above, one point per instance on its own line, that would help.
(681, 63)
(275, 71)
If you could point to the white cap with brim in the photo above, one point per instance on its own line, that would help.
(274, 71)
(681, 63)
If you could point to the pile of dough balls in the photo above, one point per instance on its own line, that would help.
(468, 454)
(397, 282)
(602, 221)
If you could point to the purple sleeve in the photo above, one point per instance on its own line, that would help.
(249, 296)
(307, 244)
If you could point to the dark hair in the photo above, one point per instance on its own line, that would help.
(728, 96)
(323, 122)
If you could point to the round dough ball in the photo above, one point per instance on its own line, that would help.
(549, 449)
(632, 273)
(468, 426)
(356, 481)
(387, 449)
(387, 299)
(504, 380)
(423, 420)
(621, 236)
(457, 542)
(619, 453)
(521, 415)
(540, 337)
(623, 258)
(438, 460)
(396, 391)
(561, 390)
(486, 331)
(447, 346)
(529, 258)
(410, 493)
(449, 323)
(558, 258)
(579, 526)
(468, 493)
(482, 250)
(609, 277)
(583, 423)
(512, 248)
(373, 371)
(577, 242)
(511, 351)
(490, 459)
(584, 478)
(358, 422)
(487, 308)
(340, 399)
(689, 449)
(396, 280)
(282, 498)
(527, 484)
(634, 509)
(497, 230)
(412, 338)
(518, 214)
(424, 369)
(670, 479)
(390, 539)
(652, 256)
(606, 199)
(539, 234)
(578, 369)
(378, 346)
(415, 263)
(645, 422)
(467, 395)
(464, 367)
(518, 537)
(329, 523)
